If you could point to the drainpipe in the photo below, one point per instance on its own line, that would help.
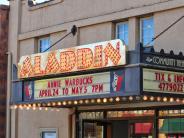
(9, 78)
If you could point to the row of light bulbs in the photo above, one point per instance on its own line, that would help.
(96, 101)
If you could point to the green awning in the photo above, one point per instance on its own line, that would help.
(172, 125)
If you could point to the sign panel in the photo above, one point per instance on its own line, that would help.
(75, 86)
(163, 81)
(156, 59)
(92, 56)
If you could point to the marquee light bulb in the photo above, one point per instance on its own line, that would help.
(98, 100)
(15, 106)
(69, 102)
(145, 98)
(158, 98)
(130, 98)
(117, 99)
(151, 98)
(171, 99)
(48, 104)
(104, 100)
(29, 105)
(75, 102)
(34, 108)
(86, 101)
(81, 101)
(92, 101)
(59, 103)
(177, 100)
(64, 103)
(111, 99)
(165, 99)
(53, 104)
(40, 108)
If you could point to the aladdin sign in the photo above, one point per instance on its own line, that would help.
(163, 81)
(85, 57)
(75, 86)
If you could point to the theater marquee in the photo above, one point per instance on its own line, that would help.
(76, 86)
(92, 56)
(163, 81)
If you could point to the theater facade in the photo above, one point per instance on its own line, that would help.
(109, 92)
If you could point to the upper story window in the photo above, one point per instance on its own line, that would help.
(122, 32)
(43, 44)
(147, 31)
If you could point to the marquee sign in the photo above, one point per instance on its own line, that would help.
(75, 86)
(85, 57)
(163, 60)
(163, 81)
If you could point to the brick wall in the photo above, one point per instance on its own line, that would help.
(4, 10)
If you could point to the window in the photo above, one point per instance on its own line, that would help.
(147, 31)
(49, 133)
(122, 32)
(43, 44)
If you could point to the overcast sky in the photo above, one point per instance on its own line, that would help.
(4, 2)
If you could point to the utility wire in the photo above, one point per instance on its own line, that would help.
(73, 31)
(147, 45)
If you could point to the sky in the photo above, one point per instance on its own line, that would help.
(4, 2)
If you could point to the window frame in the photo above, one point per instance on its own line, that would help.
(141, 29)
(38, 43)
(47, 130)
(116, 31)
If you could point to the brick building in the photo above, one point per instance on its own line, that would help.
(4, 11)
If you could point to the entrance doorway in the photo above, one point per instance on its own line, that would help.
(118, 129)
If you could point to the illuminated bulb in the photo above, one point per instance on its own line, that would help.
(59, 103)
(98, 100)
(48, 104)
(86, 101)
(151, 98)
(20, 106)
(104, 100)
(177, 100)
(117, 99)
(171, 99)
(75, 102)
(53, 104)
(183, 101)
(29, 105)
(69, 102)
(64, 103)
(130, 98)
(165, 99)
(81, 101)
(15, 106)
(34, 105)
(46, 109)
(27, 108)
(111, 99)
(39, 104)
(158, 98)
(34, 108)
(145, 98)
(40, 108)
(92, 101)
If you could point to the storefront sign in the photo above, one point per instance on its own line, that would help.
(163, 81)
(92, 56)
(162, 60)
(75, 86)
